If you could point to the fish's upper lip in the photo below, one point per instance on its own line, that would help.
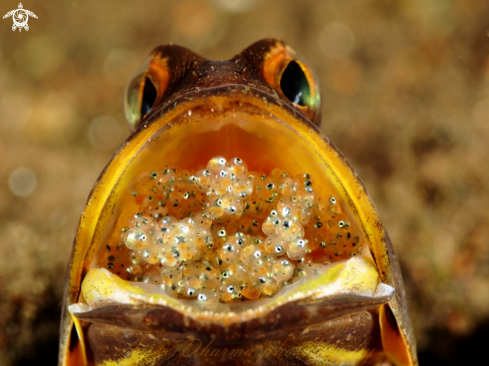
(230, 92)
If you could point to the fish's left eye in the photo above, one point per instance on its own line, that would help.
(294, 79)
(294, 84)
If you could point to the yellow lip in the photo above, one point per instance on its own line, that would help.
(355, 276)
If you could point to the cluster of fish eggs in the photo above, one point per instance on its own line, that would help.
(224, 233)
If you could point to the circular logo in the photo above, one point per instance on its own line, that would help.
(20, 18)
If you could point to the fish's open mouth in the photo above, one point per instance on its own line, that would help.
(290, 243)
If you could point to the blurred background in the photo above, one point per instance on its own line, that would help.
(405, 98)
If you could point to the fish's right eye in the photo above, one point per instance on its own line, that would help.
(144, 89)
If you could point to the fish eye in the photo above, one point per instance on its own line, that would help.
(294, 84)
(293, 79)
(148, 98)
(145, 87)
(298, 84)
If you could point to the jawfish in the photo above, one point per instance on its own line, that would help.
(228, 230)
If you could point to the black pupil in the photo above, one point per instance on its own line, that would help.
(149, 97)
(294, 84)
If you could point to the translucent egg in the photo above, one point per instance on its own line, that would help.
(270, 289)
(286, 207)
(137, 239)
(262, 273)
(255, 206)
(289, 186)
(267, 189)
(136, 257)
(188, 251)
(228, 253)
(332, 208)
(220, 235)
(190, 283)
(276, 245)
(151, 255)
(242, 186)
(201, 236)
(283, 270)
(302, 215)
(135, 270)
(237, 272)
(236, 208)
(182, 228)
(230, 290)
(202, 180)
(152, 277)
(168, 177)
(163, 233)
(231, 205)
(171, 238)
(183, 179)
(277, 175)
(290, 230)
(251, 292)
(237, 167)
(170, 256)
(253, 255)
(264, 280)
(202, 220)
(239, 239)
(213, 210)
(216, 164)
(306, 197)
(221, 182)
(297, 249)
(271, 224)
(210, 276)
(170, 277)
(207, 298)
(308, 181)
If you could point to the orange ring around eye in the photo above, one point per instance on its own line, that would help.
(274, 65)
(159, 75)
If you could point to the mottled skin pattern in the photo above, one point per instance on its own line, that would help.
(348, 332)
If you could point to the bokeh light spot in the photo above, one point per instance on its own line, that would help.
(15, 110)
(235, 6)
(22, 182)
(336, 40)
